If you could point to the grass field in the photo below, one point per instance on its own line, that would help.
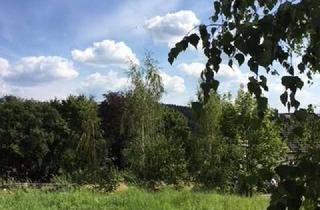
(132, 199)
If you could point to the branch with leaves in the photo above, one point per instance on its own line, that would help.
(260, 33)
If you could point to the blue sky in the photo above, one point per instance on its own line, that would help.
(53, 48)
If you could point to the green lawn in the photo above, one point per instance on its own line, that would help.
(133, 199)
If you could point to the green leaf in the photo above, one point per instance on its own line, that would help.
(214, 85)
(266, 23)
(263, 83)
(194, 40)
(292, 82)
(179, 47)
(227, 38)
(254, 87)
(231, 26)
(253, 66)
(284, 98)
(214, 18)
(172, 55)
(301, 67)
(240, 58)
(295, 103)
(262, 104)
(204, 35)
(291, 70)
(217, 6)
(206, 88)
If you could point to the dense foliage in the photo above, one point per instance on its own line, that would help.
(155, 149)
(215, 158)
(33, 138)
(260, 33)
(234, 149)
(132, 134)
(282, 38)
(263, 147)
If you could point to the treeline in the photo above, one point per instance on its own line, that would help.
(227, 146)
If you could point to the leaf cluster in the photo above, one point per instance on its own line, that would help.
(260, 34)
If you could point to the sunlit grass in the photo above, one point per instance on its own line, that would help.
(132, 199)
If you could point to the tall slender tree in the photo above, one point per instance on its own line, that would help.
(213, 154)
(153, 152)
(260, 138)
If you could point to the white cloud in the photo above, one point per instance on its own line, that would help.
(107, 52)
(225, 71)
(175, 89)
(172, 83)
(192, 69)
(130, 19)
(231, 78)
(97, 84)
(4, 67)
(171, 27)
(4, 89)
(34, 70)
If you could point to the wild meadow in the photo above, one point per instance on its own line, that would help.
(133, 198)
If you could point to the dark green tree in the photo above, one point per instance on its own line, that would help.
(33, 136)
(111, 111)
(86, 147)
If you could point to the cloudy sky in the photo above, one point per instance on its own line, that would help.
(54, 48)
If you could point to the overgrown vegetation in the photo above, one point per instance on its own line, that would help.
(134, 198)
(268, 35)
(227, 145)
(132, 137)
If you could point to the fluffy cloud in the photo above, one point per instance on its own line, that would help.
(4, 89)
(175, 89)
(192, 69)
(4, 67)
(34, 70)
(97, 84)
(171, 27)
(225, 72)
(107, 52)
(172, 83)
(231, 78)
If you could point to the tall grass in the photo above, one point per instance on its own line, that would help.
(132, 199)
